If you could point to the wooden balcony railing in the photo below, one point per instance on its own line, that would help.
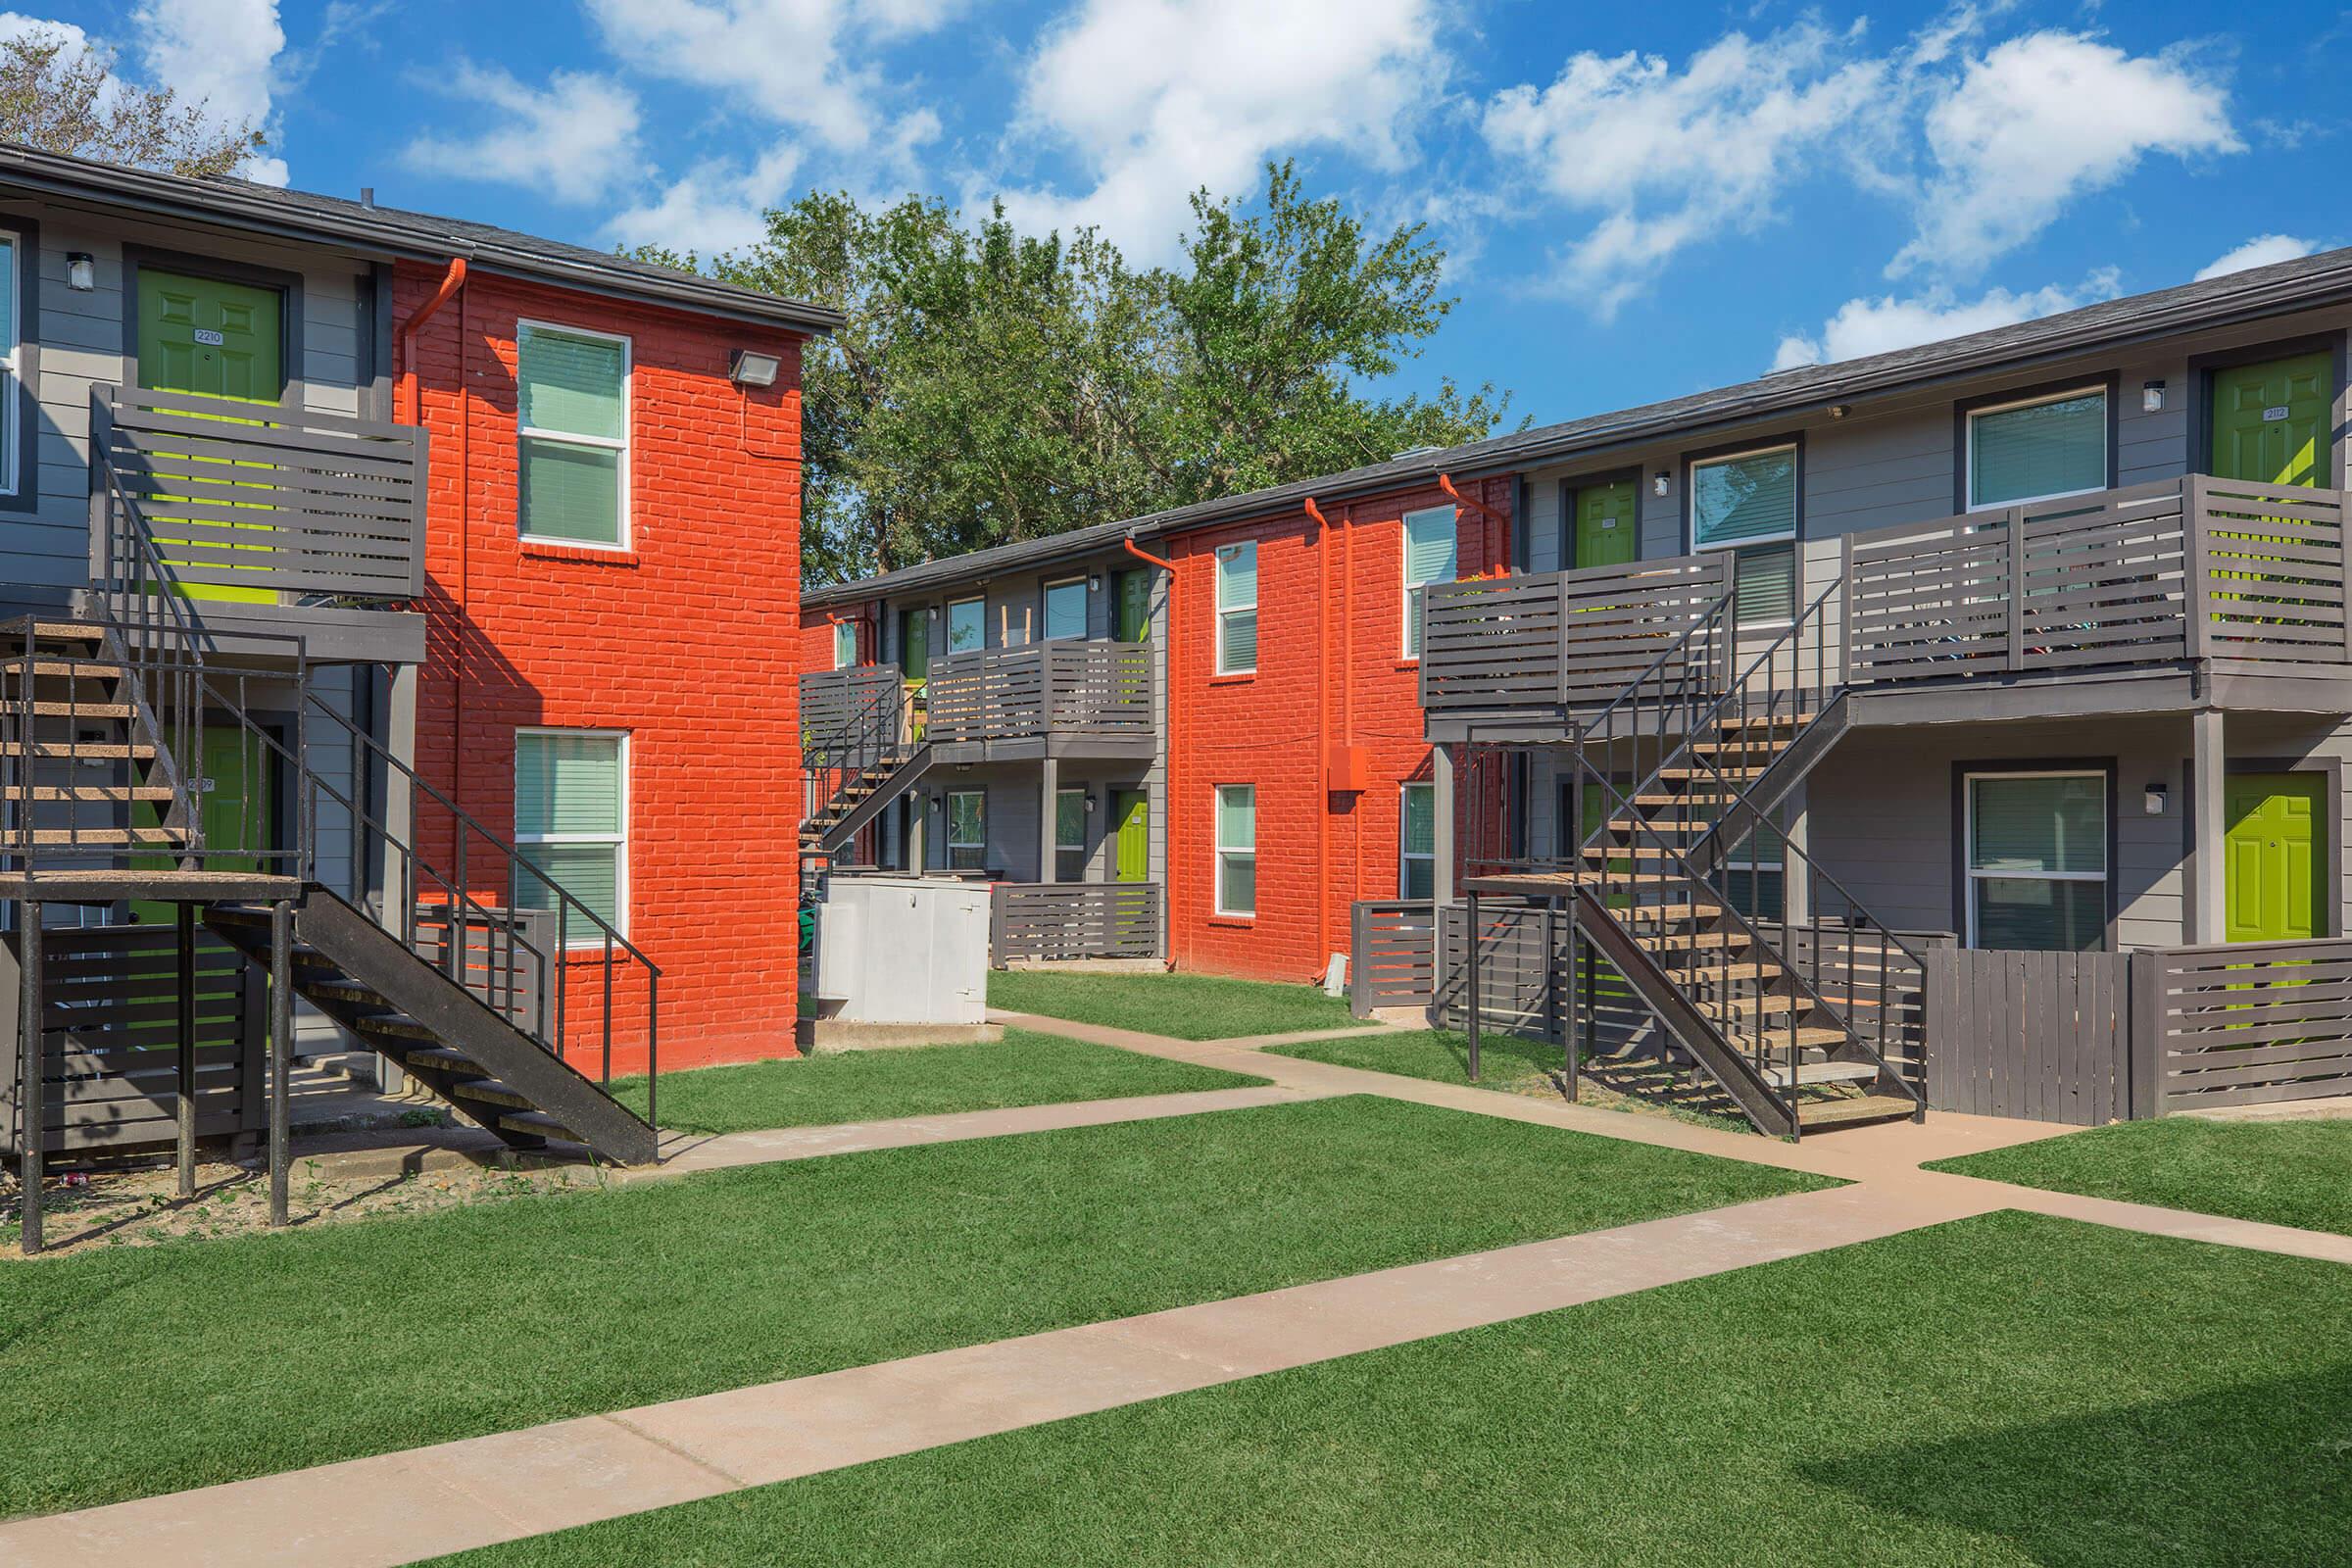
(1044, 920)
(1069, 686)
(851, 717)
(254, 502)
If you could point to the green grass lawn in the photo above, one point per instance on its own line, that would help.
(152, 1369)
(1022, 1069)
(1189, 1007)
(2286, 1172)
(1504, 1061)
(2006, 1390)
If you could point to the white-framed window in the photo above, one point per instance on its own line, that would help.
(1746, 502)
(572, 816)
(1065, 608)
(12, 357)
(2036, 859)
(1069, 835)
(967, 829)
(2038, 448)
(845, 644)
(1237, 849)
(572, 408)
(1429, 557)
(967, 626)
(1417, 842)
(1237, 608)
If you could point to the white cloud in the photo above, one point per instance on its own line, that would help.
(1154, 99)
(2260, 251)
(575, 138)
(2040, 119)
(714, 208)
(791, 62)
(1664, 159)
(1865, 326)
(223, 52)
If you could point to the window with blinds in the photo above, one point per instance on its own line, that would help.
(1237, 849)
(1069, 835)
(571, 825)
(1429, 557)
(1065, 608)
(845, 644)
(2036, 856)
(1417, 842)
(1237, 608)
(2033, 451)
(1764, 584)
(1747, 498)
(572, 401)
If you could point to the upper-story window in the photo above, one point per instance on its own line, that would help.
(572, 403)
(1065, 608)
(10, 362)
(967, 626)
(1237, 608)
(845, 644)
(2033, 451)
(1429, 557)
(1746, 502)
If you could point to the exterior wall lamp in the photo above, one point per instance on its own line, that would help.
(1659, 484)
(2151, 397)
(751, 368)
(81, 271)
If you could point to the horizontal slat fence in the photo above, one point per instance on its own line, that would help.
(1564, 638)
(111, 1045)
(1865, 975)
(1392, 943)
(270, 497)
(502, 955)
(843, 713)
(1048, 920)
(2254, 1023)
(1067, 686)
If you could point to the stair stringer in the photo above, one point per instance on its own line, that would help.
(897, 782)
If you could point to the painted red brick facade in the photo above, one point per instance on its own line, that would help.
(1331, 673)
(690, 641)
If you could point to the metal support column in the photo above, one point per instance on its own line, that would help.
(29, 1098)
(1470, 974)
(281, 1046)
(1575, 1023)
(184, 951)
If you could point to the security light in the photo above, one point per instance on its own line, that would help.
(1658, 482)
(2152, 801)
(81, 271)
(2151, 397)
(749, 368)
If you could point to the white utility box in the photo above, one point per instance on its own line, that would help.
(903, 950)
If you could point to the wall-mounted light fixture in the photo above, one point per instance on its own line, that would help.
(2151, 397)
(1093, 584)
(1839, 410)
(81, 271)
(752, 368)
(2152, 802)
(1659, 483)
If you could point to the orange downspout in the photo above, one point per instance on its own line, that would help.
(450, 281)
(1167, 827)
(1322, 725)
(1501, 522)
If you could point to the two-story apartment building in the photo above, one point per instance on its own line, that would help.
(420, 580)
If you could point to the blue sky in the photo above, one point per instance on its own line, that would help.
(1639, 199)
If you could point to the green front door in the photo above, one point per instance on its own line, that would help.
(238, 806)
(2275, 850)
(1608, 528)
(1132, 595)
(1131, 809)
(915, 644)
(2271, 421)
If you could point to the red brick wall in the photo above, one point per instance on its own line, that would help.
(690, 641)
(1336, 598)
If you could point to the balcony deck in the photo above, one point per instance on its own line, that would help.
(1070, 697)
(2161, 597)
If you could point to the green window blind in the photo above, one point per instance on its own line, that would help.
(1065, 609)
(572, 403)
(967, 626)
(569, 822)
(2043, 449)
(571, 385)
(2034, 824)
(571, 492)
(1069, 835)
(1237, 608)
(1417, 843)
(1764, 584)
(1237, 849)
(2040, 915)
(1752, 496)
(1429, 557)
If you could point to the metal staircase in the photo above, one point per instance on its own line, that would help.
(1794, 1015)
(862, 754)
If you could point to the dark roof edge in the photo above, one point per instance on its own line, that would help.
(204, 201)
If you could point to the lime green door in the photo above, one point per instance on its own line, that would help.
(1131, 809)
(2271, 421)
(1608, 529)
(2275, 850)
(237, 810)
(1132, 594)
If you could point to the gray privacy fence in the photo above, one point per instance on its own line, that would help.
(2045, 1036)
(1041, 921)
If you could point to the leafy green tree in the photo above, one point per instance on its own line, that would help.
(989, 386)
(62, 96)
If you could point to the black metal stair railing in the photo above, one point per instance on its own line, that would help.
(852, 741)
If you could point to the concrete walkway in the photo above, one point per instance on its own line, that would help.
(398, 1508)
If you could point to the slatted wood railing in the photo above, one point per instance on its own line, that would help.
(1069, 686)
(1392, 944)
(2247, 1024)
(1043, 920)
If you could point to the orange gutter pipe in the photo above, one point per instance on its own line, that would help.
(1503, 522)
(450, 281)
(1322, 722)
(1168, 794)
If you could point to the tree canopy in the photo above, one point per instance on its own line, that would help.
(991, 385)
(62, 96)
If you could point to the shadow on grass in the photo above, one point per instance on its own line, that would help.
(2260, 1473)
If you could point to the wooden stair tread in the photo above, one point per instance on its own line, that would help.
(1693, 941)
(539, 1122)
(1771, 1004)
(98, 794)
(92, 750)
(1847, 1112)
(45, 707)
(1812, 1073)
(1804, 1036)
(158, 837)
(45, 668)
(491, 1092)
(1741, 969)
